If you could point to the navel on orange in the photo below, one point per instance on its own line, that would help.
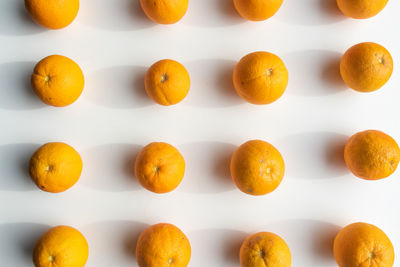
(257, 10)
(165, 11)
(163, 245)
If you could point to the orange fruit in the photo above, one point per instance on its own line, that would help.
(167, 82)
(54, 14)
(265, 249)
(55, 167)
(57, 80)
(361, 9)
(257, 168)
(366, 67)
(260, 78)
(61, 246)
(257, 10)
(165, 11)
(372, 155)
(363, 245)
(159, 167)
(163, 245)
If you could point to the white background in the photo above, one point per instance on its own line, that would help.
(115, 43)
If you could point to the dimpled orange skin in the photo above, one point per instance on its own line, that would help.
(58, 81)
(163, 245)
(260, 78)
(61, 246)
(55, 167)
(167, 82)
(265, 249)
(372, 155)
(159, 167)
(257, 167)
(361, 9)
(54, 14)
(366, 67)
(165, 11)
(363, 245)
(257, 10)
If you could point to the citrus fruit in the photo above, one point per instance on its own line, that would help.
(167, 82)
(257, 168)
(361, 9)
(260, 78)
(163, 245)
(257, 10)
(54, 14)
(57, 80)
(366, 67)
(165, 11)
(61, 246)
(159, 167)
(55, 167)
(363, 245)
(372, 155)
(265, 249)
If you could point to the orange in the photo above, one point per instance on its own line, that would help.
(54, 14)
(159, 167)
(55, 167)
(58, 81)
(257, 10)
(163, 245)
(260, 78)
(361, 9)
(265, 249)
(165, 11)
(366, 67)
(61, 246)
(372, 155)
(363, 245)
(257, 168)
(167, 82)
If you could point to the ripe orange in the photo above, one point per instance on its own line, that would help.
(361, 9)
(55, 167)
(167, 82)
(163, 245)
(54, 14)
(160, 167)
(61, 246)
(257, 10)
(265, 249)
(57, 81)
(363, 245)
(257, 168)
(165, 11)
(372, 155)
(260, 78)
(366, 67)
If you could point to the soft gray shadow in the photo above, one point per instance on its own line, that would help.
(212, 13)
(111, 240)
(216, 247)
(119, 87)
(315, 73)
(15, 20)
(310, 12)
(110, 167)
(211, 84)
(207, 167)
(16, 92)
(314, 155)
(18, 241)
(120, 15)
(14, 167)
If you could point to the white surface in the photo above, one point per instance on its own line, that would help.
(114, 44)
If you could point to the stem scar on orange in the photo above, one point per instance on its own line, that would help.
(165, 11)
(260, 78)
(257, 10)
(361, 9)
(257, 167)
